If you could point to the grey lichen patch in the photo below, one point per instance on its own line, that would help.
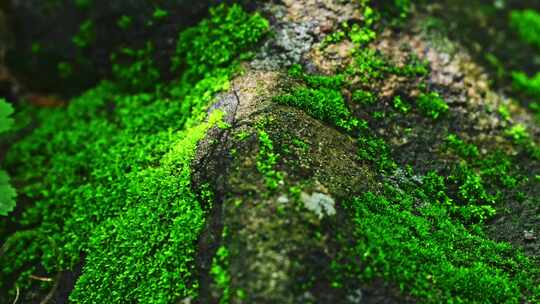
(289, 44)
(298, 26)
(319, 203)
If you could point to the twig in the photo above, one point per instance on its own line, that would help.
(17, 295)
(52, 291)
(43, 279)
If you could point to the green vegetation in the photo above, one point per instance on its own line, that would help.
(432, 105)
(400, 105)
(124, 22)
(217, 41)
(220, 273)
(108, 177)
(110, 174)
(86, 35)
(160, 13)
(324, 103)
(65, 70)
(529, 86)
(321, 99)
(370, 65)
(433, 257)
(482, 182)
(300, 144)
(521, 137)
(504, 112)
(139, 74)
(7, 192)
(397, 10)
(267, 160)
(83, 4)
(476, 202)
(6, 110)
(356, 33)
(527, 24)
(364, 97)
(462, 148)
(155, 239)
(376, 151)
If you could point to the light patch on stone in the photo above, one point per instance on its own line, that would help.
(283, 199)
(320, 203)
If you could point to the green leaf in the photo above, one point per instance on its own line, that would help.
(5, 111)
(7, 194)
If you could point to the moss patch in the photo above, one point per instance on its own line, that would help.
(110, 174)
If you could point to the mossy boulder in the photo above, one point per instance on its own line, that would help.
(353, 155)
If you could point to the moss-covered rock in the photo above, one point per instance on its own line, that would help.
(354, 156)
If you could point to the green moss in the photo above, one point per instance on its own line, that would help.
(482, 183)
(504, 112)
(324, 103)
(423, 233)
(137, 71)
(321, 99)
(154, 240)
(83, 4)
(535, 107)
(86, 35)
(361, 35)
(464, 150)
(220, 273)
(521, 137)
(357, 34)
(376, 151)
(369, 65)
(529, 86)
(333, 38)
(6, 121)
(432, 257)
(299, 143)
(217, 40)
(7, 192)
(124, 22)
(110, 175)
(65, 70)
(159, 13)
(400, 105)
(364, 97)
(267, 160)
(242, 135)
(477, 204)
(432, 105)
(527, 24)
(316, 81)
(396, 10)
